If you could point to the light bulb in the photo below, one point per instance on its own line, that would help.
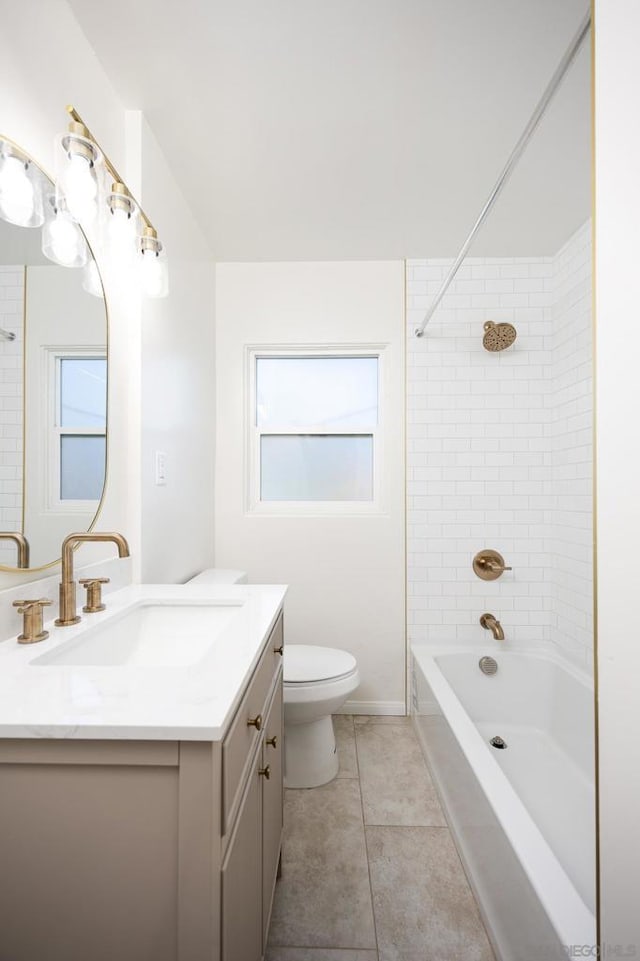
(154, 274)
(17, 194)
(121, 229)
(62, 241)
(80, 188)
(122, 220)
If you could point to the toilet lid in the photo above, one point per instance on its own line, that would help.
(304, 663)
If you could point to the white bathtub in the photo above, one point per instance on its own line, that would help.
(523, 817)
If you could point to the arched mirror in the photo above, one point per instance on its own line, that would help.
(53, 362)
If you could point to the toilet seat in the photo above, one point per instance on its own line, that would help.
(306, 664)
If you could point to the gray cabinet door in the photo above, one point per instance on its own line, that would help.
(242, 879)
(272, 798)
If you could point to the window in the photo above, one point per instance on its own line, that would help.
(315, 430)
(79, 429)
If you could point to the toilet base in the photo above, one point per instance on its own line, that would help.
(310, 754)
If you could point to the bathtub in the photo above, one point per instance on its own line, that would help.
(523, 817)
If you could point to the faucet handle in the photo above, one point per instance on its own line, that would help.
(41, 601)
(32, 630)
(93, 587)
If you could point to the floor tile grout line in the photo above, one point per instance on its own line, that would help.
(322, 947)
(366, 845)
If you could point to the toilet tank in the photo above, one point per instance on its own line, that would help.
(218, 575)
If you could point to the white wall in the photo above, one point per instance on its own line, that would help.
(37, 82)
(617, 186)
(499, 452)
(178, 387)
(11, 319)
(346, 572)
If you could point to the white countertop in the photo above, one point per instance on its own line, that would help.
(193, 702)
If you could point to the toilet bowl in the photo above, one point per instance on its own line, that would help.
(317, 682)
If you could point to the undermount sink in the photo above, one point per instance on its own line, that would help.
(149, 634)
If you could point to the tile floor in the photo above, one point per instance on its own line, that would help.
(369, 869)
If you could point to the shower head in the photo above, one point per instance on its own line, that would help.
(498, 336)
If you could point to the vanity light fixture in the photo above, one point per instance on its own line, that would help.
(20, 190)
(91, 183)
(89, 193)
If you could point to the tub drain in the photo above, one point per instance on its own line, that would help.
(488, 665)
(498, 743)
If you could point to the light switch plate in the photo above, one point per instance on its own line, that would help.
(161, 468)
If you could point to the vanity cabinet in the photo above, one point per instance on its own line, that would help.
(146, 850)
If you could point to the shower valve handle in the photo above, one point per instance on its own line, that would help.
(489, 565)
(493, 566)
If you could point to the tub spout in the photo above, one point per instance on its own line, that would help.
(490, 623)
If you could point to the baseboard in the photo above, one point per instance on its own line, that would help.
(374, 707)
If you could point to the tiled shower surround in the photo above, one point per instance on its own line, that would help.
(11, 313)
(500, 451)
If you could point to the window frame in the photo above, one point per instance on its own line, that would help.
(254, 433)
(55, 431)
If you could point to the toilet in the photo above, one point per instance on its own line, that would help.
(317, 682)
(219, 575)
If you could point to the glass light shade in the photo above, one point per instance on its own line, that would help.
(20, 192)
(78, 174)
(91, 280)
(63, 242)
(154, 273)
(122, 225)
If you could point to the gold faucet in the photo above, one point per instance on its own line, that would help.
(22, 543)
(68, 585)
(490, 623)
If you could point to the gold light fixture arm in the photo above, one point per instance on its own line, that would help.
(75, 116)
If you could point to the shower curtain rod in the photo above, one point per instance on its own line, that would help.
(515, 155)
(7, 334)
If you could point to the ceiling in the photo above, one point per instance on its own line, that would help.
(357, 129)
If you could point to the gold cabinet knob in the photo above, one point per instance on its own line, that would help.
(255, 722)
(272, 741)
(31, 610)
(93, 587)
(279, 650)
(265, 772)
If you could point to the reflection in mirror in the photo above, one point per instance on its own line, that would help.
(53, 387)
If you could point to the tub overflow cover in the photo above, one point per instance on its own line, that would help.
(488, 665)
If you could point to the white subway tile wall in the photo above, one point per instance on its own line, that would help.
(11, 319)
(571, 400)
(499, 451)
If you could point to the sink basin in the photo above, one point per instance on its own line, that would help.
(151, 633)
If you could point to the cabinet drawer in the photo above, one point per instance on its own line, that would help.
(242, 737)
